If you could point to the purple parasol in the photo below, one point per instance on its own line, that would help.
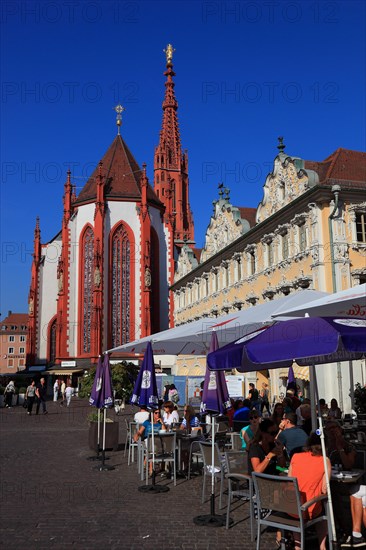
(215, 396)
(145, 391)
(102, 392)
(291, 382)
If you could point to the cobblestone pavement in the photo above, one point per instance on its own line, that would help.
(53, 497)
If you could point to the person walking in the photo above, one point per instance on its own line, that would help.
(56, 388)
(8, 393)
(68, 394)
(264, 395)
(30, 395)
(63, 390)
(41, 393)
(254, 398)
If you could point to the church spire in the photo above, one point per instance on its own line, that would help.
(171, 163)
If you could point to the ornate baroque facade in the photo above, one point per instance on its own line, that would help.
(309, 231)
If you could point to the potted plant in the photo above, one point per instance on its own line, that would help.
(360, 403)
(21, 396)
(111, 431)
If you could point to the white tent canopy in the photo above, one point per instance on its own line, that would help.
(194, 338)
(346, 303)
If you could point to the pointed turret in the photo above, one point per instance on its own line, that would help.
(171, 164)
(33, 297)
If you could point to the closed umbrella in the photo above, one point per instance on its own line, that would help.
(291, 382)
(102, 397)
(215, 400)
(94, 400)
(145, 393)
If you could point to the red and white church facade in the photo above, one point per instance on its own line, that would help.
(104, 278)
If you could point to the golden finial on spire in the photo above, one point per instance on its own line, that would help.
(119, 110)
(169, 50)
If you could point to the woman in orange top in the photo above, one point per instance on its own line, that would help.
(308, 467)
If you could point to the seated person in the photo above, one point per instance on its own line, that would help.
(146, 427)
(358, 511)
(190, 420)
(264, 454)
(170, 415)
(242, 413)
(334, 412)
(323, 408)
(142, 415)
(295, 401)
(305, 411)
(338, 448)
(248, 432)
(277, 414)
(308, 468)
(291, 437)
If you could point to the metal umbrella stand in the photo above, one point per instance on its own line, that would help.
(153, 488)
(93, 400)
(145, 393)
(215, 399)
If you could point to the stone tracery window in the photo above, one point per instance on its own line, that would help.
(121, 287)
(87, 288)
(53, 342)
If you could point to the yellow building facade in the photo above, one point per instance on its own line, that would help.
(309, 231)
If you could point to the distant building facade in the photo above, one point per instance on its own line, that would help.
(13, 331)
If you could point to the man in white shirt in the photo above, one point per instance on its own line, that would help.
(142, 415)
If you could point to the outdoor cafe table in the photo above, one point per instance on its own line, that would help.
(347, 476)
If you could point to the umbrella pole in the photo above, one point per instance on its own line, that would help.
(313, 398)
(152, 488)
(103, 466)
(98, 457)
(98, 439)
(212, 520)
(333, 534)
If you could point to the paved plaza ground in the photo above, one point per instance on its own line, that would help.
(53, 497)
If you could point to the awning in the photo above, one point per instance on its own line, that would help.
(63, 371)
(301, 373)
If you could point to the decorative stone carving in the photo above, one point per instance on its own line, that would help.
(147, 278)
(186, 262)
(226, 226)
(287, 181)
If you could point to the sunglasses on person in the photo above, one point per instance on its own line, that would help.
(253, 417)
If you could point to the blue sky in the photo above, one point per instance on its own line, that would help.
(247, 72)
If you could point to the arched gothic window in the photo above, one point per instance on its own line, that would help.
(87, 288)
(53, 342)
(121, 287)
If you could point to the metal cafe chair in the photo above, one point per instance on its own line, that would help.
(208, 467)
(132, 445)
(165, 446)
(240, 484)
(282, 497)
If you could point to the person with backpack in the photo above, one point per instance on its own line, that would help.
(8, 394)
(173, 394)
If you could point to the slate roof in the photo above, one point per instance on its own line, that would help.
(122, 177)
